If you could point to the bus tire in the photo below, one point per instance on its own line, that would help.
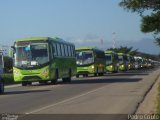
(24, 83)
(84, 75)
(100, 74)
(77, 76)
(54, 81)
(68, 79)
(1, 87)
(95, 74)
(29, 83)
(43, 82)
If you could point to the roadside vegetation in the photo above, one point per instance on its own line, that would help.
(158, 100)
(149, 22)
(8, 78)
(129, 50)
(8, 74)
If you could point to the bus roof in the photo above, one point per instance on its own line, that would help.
(109, 52)
(121, 53)
(44, 39)
(32, 39)
(86, 48)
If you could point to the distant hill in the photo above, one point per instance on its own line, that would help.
(145, 45)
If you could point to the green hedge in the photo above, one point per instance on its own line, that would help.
(8, 79)
(158, 100)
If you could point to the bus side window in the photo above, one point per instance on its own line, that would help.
(58, 49)
(74, 52)
(66, 50)
(55, 49)
(62, 49)
(69, 50)
(1, 61)
(51, 50)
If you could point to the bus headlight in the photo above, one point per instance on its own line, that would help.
(45, 73)
(92, 66)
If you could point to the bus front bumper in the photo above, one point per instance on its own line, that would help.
(30, 75)
(85, 70)
(110, 68)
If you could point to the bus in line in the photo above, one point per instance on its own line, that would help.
(90, 60)
(43, 59)
(123, 65)
(131, 62)
(1, 73)
(111, 61)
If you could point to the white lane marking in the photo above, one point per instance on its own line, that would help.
(135, 76)
(64, 101)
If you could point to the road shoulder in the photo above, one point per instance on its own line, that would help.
(149, 103)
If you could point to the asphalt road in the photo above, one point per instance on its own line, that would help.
(118, 93)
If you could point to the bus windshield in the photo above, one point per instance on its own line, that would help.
(120, 59)
(108, 58)
(84, 57)
(31, 55)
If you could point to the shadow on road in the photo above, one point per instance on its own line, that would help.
(109, 80)
(24, 92)
(125, 74)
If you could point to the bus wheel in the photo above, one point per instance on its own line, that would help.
(95, 74)
(54, 81)
(1, 87)
(42, 82)
(29, 83)
(102, 74)
(68, 79)
(24, 83)
(77, 76)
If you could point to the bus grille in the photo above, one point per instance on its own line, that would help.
(31, 78)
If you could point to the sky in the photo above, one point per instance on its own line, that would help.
(82, 22)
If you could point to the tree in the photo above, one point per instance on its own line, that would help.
(8, 64)
(129, 50)
(149, 23)
(125, 50)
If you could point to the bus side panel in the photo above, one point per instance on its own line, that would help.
(63, 65)
(99, 65)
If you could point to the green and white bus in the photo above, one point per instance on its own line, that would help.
(123, 65)
(90, 61)
(131, 62)
(1, 73)
(43, 59)
(111, 61)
